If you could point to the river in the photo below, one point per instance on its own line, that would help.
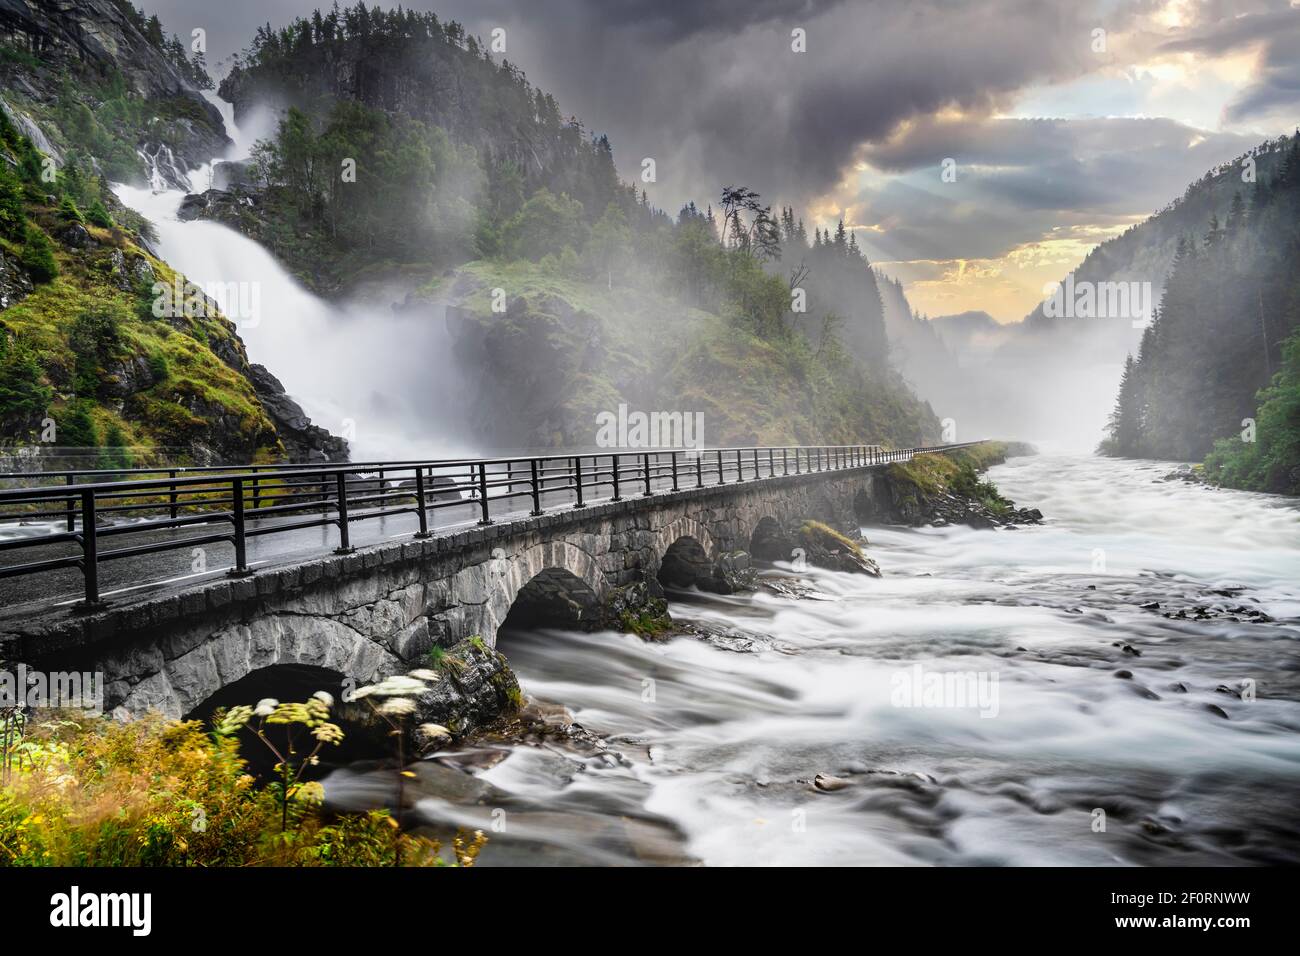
(1072, 725)
(1107, 733)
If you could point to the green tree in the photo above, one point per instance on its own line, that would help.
(13, 213)
(24, 396)
(38, 256)
(99, 216)
(77, 428)
(545, 224)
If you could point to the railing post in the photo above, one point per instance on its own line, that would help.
(171, 494)
(537, 489)
(483, 493)
(89, 548)
(785, 462)
(614, 473)
(240, 570)
(69, 509)
(419, 507)
(341, 491)
(646, 463)
(699, 469)
(674, 457)
(577, 478)
(771, 463)
(722, 480)
(257, 492)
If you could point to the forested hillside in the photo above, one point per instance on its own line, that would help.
(1222, 348)
(405, 150)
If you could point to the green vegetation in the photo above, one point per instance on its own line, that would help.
(955, 472)
(823, 535)
(1220, 350)
(156, 792)
(83, 347)
(1272, 461)
(461, 164)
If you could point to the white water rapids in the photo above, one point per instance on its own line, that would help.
(716, 764)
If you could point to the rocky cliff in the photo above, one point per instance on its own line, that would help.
(82, 77)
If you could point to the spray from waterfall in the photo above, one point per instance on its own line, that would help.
(377, 374)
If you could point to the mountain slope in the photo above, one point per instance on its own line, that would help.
(96, 353)
(1231, 304)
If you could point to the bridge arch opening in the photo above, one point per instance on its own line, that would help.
(293, 683)
(769, 542)
(553, 598)
(685, 564)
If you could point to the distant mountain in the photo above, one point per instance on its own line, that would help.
(971, 330)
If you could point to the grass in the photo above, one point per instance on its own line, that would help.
(161, 415)
(828, 538)
(955, 472)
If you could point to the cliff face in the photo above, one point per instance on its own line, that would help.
(85, 76)
(88, 360)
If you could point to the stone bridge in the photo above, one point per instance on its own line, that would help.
(381, 610)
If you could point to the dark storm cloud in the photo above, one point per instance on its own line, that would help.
(712, 90)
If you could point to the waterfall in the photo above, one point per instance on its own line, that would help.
(380, 378)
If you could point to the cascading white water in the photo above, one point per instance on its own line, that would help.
(379, 377)
(710, 744)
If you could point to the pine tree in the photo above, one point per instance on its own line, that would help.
(38, 256)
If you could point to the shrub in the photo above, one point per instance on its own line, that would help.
(37, 257)
(98, 215)
(158, 792)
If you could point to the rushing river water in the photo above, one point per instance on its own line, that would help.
(1095, 710)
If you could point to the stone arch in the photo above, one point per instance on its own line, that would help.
(769, 541)
(684, 526)
(505, 577)
(184, 683)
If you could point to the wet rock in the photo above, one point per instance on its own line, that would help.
(1124, 675)
(1177, 687)
(477, 687)
(824, 547)
(827, 783)
(76, 236)
(1217, 711)
(638, 608)
(303, 441)
(732, 573)
(15, 284)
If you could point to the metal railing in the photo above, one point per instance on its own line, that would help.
(232, 505)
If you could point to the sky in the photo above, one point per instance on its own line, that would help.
(1059, 124)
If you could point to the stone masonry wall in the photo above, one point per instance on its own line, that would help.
(379, 611)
